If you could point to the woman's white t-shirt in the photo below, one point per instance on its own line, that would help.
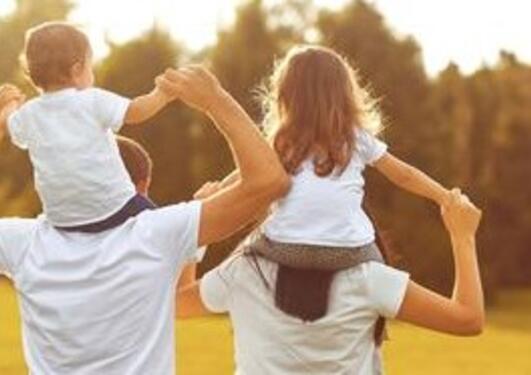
(327, 211)
(267, 341)
(79, 174)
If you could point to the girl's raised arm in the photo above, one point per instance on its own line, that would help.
(411, 179)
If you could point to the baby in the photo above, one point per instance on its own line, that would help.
(68, 132)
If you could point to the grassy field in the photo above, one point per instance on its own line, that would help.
(205, 345)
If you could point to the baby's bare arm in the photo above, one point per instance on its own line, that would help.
(144, 107)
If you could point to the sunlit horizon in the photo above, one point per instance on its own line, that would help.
(447, 31)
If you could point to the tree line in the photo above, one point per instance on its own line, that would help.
(471, 131)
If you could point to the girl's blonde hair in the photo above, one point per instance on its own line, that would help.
(314, 104)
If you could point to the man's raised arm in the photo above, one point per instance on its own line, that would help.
(262, 177)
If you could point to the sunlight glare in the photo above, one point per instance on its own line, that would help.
(194, 23)
(6, 7)
(469, 33)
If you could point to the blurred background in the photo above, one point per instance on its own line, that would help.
(454, 82)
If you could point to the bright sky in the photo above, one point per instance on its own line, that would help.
(469, 32)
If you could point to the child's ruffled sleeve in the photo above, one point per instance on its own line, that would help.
(369, 148)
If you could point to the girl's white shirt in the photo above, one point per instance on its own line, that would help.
(327, 210)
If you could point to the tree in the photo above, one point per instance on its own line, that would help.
(244, 55)
(28, 13)
(389, 65)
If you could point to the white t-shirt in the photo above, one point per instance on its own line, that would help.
(79, 174)
(267, 341)
(327, 211)
(100, 303)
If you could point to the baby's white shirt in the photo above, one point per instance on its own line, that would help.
(327, 211)
(79, 174)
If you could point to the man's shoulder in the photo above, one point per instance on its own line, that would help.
(174, 212)
(170, 221)
(174, 229)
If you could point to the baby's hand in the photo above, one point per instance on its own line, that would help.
(11, 98)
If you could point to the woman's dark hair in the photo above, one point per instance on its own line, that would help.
(136, 159)
(304, 293)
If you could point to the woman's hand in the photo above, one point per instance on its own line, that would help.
(463, 313)
(194, 85)
(460, 216)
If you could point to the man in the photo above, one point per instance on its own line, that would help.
(104, 303)
(140, 166)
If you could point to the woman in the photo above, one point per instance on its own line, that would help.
(323, 124)
(268, 341)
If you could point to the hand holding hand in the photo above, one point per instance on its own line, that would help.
(460, 216)
(194, 85)
(162, 89)
(445, 198)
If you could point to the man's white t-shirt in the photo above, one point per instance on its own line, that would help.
(79, 174)
(100, 303)
(267, 341)
(327, 210)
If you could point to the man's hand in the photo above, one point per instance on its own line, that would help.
(194, 85)
(262, 176)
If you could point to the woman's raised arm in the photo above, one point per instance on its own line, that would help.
(463, 313)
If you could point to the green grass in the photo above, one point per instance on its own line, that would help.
(205, 345)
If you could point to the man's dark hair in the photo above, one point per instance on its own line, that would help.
(136, 159)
